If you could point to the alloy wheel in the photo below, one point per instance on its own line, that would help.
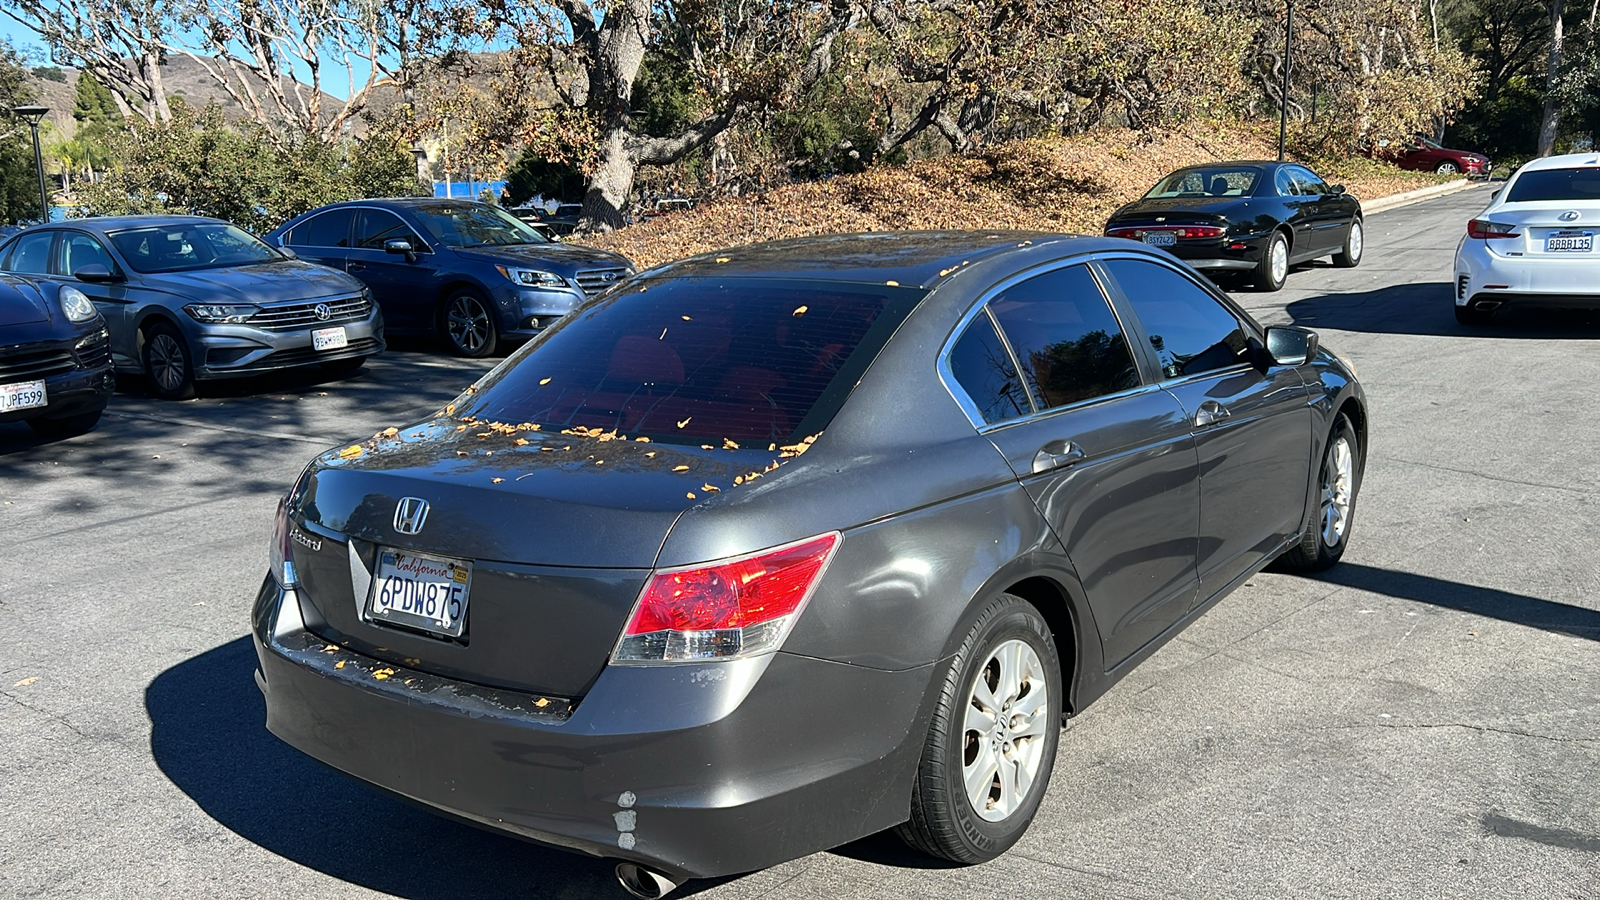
(1003, 739)
(468, 323)
(1280, 261)
(168, 365)
(1356, 240)
(1338, 478)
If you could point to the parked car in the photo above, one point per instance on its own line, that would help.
(798, 542)
(1534, 245)
(188, 298)
(468, 272)
(55, 357)
(1424, 155)
(1246, 217)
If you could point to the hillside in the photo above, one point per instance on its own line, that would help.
(1057, 184)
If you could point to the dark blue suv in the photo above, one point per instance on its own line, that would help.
(467, 271)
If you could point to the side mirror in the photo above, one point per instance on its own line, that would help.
(400, 247)
(1336, 189)
(95, 273)
(288, 252)
(1291, 345)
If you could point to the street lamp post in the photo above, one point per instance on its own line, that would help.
(1283, 100)
(34, 115)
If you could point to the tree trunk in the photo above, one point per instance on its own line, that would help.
(1552, 110)
(606, 199)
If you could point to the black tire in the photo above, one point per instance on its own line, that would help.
(945, 822)
(66, 426)
(1355, 244)
(1321, 543)
(467, 321)
(1268, 278)
(168, 362)
(344, 368)
(1446, 168)
(1472, 316)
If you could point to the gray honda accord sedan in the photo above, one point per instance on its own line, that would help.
(767, 550)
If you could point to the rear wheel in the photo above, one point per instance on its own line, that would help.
(469, 325)
(65, 426)
(1349, 256)
(167, 362)
(1273, 269)
(992, 741)
(1470, 315)
(1447, 168)
(1327, 529)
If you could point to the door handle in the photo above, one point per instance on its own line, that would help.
(1056, 455)
(1210, 413)
(355, 267)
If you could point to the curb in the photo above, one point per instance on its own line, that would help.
(1395, 201)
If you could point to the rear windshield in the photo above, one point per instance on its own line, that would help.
(1556, 184)
(1219, 181)
(697, 359)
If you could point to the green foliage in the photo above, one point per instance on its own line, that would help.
(19, 185)
(199, 163)
(50, 73)
(832, 130)
(93, 104)
(665, 100)
(1504, 126)
(531, 176)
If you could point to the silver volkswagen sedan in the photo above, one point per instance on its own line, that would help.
(188, 298)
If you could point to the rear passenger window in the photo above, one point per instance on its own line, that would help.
(329, 229)
(980, 363)
(1069, 345)
(30, 255)
(1189, 330)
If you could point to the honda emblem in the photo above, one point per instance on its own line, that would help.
(410, 514)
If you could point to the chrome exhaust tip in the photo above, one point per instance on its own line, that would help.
(644, 883)
(1487, 305)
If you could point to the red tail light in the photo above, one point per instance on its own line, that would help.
(737, 608)
(279, 557)
(1483, 229)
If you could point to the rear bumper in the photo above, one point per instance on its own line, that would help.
(1482, 276)
(698, 770)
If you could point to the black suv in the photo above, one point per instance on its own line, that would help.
(467, 271)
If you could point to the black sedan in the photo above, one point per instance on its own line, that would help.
(55, 358)
(1258, 218)
(778, 547)
(188, 298)
(468, 271)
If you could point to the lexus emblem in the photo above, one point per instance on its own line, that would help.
(1571, 215)
(322, 311)
(409, 515)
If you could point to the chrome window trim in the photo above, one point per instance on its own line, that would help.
(1252, 329)
(981, 305)
(420, 244)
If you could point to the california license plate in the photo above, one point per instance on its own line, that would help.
(1569, 242)
(426, 592)
(1160, 239)
(329, 338)
(26, 395)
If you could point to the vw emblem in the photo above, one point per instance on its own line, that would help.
(322, 311)
(1571, 215)
(409, 515)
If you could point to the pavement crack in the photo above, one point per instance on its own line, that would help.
(1535, 484)
(1478, 728)
(54, 717)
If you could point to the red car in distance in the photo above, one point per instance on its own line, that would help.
(1425, 155)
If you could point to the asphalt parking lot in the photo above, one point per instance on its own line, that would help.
(1421, 721)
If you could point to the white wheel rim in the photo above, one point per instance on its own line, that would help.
(1355, 240)
(1003, 734)
(1280, 261)
(1338, 479)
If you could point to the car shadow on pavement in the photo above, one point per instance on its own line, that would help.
(208, 736)
(1517, 609)
(1426, 308)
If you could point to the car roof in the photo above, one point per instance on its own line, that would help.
(1564, 161)
(119, 223)
(904, 258)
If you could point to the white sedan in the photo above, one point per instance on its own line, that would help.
(1535, 243)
